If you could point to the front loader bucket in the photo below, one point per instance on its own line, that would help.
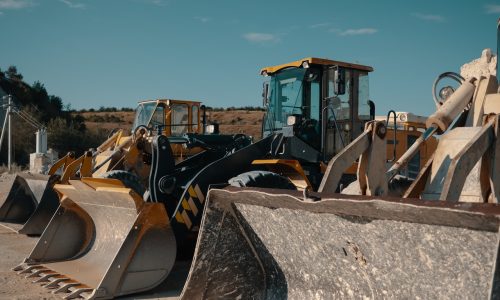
(102, 243)
(270, 244)
(20, 194)
(46, 208)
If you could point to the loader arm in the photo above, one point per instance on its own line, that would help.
(62, 163)
(370, 148)
(186, 216)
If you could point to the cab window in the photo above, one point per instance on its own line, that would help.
(194, 118)
(179, 119)
(341, 108)
(158, 118)
(363, 97)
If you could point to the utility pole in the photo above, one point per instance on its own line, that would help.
(7, 123)
(9, 141)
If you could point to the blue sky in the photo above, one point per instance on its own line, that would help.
(115, 52)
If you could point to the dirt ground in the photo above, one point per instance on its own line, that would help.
(15, 247)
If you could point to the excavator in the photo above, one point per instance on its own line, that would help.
(28, 201)
(107, 239)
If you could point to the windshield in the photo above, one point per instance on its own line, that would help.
(143, 114)
(285, 98)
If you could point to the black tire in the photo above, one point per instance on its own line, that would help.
(128, 179)
(264, 179)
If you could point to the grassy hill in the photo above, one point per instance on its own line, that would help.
(231, 121)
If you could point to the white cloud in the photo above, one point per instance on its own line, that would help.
(314, 26)
(428, 17)
(157, 2)
(202, 19)
(256, 37)
(354, 31)
(73, 4)
(15, 4)
(492, 8)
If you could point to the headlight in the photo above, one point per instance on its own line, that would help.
(403, 117)
(446, 92)
(291, 120)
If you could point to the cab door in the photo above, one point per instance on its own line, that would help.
(338, 111)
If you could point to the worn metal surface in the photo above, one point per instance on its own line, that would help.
(372, 161)
(458, 182)
(449, 151)
(19, 195)
(264, 244)
(491, 165)
(49, 202)
(105, 242)
(485, 85)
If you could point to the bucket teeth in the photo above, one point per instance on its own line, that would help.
(39, 272)
(65, 287)
(55, 284)
(58, 283)
(19, 267)
(46, 278)
(29, 269)
(78, 293)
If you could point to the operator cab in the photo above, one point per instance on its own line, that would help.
(320, 105)
(169, 117)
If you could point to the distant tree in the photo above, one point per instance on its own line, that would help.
(13, 75)
(56, 102)
(38, 87)
(79, 122)
(66, 130)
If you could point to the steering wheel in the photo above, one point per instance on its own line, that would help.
(446, 91)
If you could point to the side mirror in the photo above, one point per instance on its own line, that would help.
(204, 118)
(338, 80)
(213, 128)
(371, 104)
(265, 89)
(209, 129)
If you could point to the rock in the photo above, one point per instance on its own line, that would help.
(483, 66)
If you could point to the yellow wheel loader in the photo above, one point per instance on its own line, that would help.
(29, 199)
(439, 239)
(104, 241)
